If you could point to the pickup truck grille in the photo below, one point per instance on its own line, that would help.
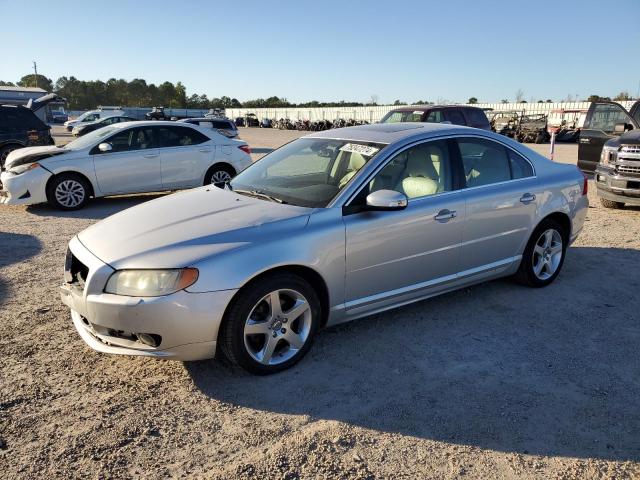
(635, 149)
(629, 169)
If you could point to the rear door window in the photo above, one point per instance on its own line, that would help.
(28, 120)
(454, 115)
(180, 137)
(485, 161)
(605, 116)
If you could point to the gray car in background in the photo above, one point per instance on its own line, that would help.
(331, 227)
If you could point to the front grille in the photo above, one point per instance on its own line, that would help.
(75, 272)
(630, 149)
(633, 170)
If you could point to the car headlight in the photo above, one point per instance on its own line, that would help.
(607, 154)
(150, 283)
(23, 168)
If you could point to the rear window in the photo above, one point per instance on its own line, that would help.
(476, 117)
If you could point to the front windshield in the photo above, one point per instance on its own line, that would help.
(89, 139)
(307, 172)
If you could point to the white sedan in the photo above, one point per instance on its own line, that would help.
(132, 157)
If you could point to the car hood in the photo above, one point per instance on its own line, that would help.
(629, 138)
(180, 229)
(22, 156)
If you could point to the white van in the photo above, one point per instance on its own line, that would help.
(93, 115)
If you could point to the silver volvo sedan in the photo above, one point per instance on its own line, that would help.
(328, 228)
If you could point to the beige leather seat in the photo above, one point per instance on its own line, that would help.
(420, 176)
(356, 162)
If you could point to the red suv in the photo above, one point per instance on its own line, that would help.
(455, 114)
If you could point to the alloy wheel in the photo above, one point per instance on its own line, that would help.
(277, 327)
(70, 193)
(220, 176)
(547, 254)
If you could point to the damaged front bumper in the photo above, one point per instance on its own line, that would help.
(25, 188)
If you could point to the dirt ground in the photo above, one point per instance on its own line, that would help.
(494, 381)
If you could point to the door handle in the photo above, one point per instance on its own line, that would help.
(150, 155)
(527, 198)
(205, 150)
(445, 215)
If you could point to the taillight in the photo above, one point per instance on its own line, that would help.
(245, 149)
(585, 184)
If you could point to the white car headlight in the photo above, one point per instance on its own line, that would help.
(150, 283)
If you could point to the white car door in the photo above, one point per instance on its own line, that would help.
(133, 164)
(185, 156)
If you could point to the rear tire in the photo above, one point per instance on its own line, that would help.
(544, 255)
(262, 339)
(68, 191)
(611, 204)
(219, 174)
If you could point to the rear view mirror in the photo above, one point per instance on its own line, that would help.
(620, 128)
(386, 200)
(105, 147)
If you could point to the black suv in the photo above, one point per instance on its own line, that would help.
(604, 121)
(20, 127)
(456, 114)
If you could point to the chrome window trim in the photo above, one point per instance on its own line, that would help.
(390, 155)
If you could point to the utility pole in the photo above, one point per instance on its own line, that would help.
(35, 69)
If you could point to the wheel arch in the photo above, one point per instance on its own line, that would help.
(72, 172)
(563, 219)
(310, 275)
(216, 165)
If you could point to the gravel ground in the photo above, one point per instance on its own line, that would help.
(494, 381)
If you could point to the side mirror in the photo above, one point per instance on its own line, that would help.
(386, 200)
(620, 128)
(105, 147)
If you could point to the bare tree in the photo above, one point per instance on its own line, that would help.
(373, 100)
(519, 95)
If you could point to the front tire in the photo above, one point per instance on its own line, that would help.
(68, 191)
(271, 324)
(544, 255)
(611, 204)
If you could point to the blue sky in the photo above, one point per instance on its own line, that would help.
(333, 50)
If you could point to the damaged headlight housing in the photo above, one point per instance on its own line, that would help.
(607, 155)
(150, 283)
(18, 169)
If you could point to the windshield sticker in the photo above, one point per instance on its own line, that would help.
(365, 150)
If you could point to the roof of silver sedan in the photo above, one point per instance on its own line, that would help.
(389, 132)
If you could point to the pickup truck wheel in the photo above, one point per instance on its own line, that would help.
(68, 191)
(271, 324)
(611, 204)
(543, 256)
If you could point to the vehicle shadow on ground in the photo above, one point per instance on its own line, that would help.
(22, 248)
(551, 371)
(97, 208)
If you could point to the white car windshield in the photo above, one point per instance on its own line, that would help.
(89, 139)
(307, 172)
